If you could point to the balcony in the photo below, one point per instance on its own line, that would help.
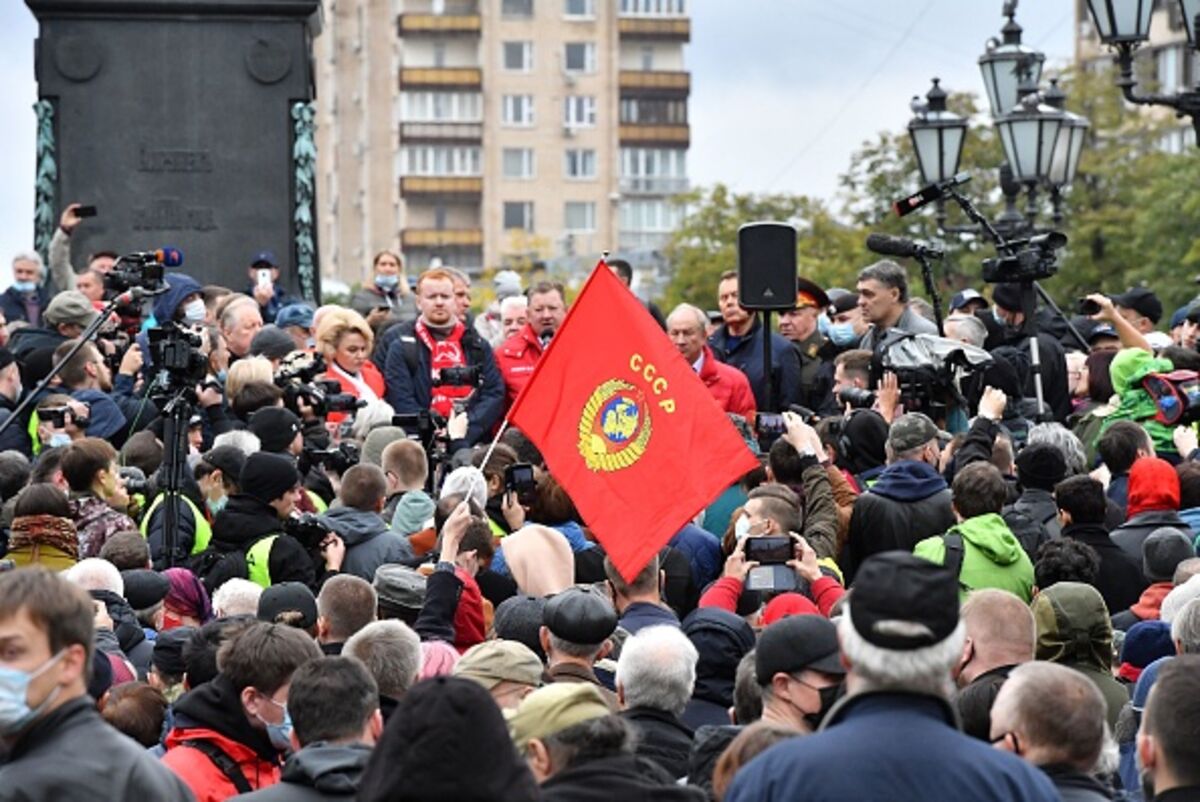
(653, 185)
(447, 133)
(464, 24)
(441, 186)
(441, 78)
(673, 29)
(441, 237)
(662, 135)
(655, 82)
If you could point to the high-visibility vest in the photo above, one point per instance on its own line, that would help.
(317, 501)
(33, 435)
(203, 528)
(258, 559)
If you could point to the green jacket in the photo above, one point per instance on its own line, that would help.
(1128, 368)
(992, 556)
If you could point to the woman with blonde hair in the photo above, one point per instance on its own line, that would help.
(345, 340)
(247, 370)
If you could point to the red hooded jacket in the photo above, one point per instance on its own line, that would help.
(516, 358)
(728, 385)
(1153, 485)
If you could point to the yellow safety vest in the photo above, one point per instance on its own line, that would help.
(258, 559)
(203, 528)
(317, 501)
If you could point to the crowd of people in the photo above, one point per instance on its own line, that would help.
(341, 584)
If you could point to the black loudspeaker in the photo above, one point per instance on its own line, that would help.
(767, 266)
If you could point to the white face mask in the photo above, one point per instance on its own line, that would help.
(194, 311)
(742, 527)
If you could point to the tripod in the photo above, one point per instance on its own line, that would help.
(176, 414)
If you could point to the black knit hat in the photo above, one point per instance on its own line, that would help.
(267, 477)
(1040, 466)
(167, 657)
(145, 588)
(902, 602)
(275, 427)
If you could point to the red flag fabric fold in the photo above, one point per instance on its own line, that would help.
(626, 426)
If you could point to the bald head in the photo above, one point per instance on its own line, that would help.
(1050, 714)
(686, 326)
(1000, 632)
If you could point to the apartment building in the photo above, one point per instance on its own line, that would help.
(492, 133)
(1165, 64)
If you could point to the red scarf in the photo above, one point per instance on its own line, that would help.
(445, 353)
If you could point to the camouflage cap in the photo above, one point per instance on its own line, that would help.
(910, 431)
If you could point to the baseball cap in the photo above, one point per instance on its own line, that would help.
(495, 661)
(843, 303)
(71, 306)
(553, 709)
(295, 315)
(229, 460)
(167, 656)
(911, 430)
(579, 615)
(288, 597)
(903, 602)
(796, 643)
(264, 257)
(964, 297)
(1101, 330)
(1142, 300)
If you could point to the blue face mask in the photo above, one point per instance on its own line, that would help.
(215, 507)
(59, 440)
(24, 286)
(222, 375)
(386, 282)
(15, 712)
(842, 334)
(280, 734)
(823, 324)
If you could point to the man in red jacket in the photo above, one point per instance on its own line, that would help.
(231, 733)
(518, 355)
(728, 385)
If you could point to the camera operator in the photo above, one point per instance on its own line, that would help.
(1007, 341)
(61, 420)
(115, 412)
(16, 438)
(438, 363)
(852, 380)
(250, 529)
(280, 432)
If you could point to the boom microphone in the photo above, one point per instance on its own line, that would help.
(166, 256)
(901, 247)
(928, 195)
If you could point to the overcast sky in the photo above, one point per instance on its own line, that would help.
(783, 91)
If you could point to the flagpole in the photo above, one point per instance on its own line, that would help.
(486, 457)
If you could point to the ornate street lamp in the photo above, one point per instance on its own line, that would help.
(1124, 25)
(937, 136)
(1007, 64)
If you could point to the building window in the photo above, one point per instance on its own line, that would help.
(518, 215)
(441, 160)
(579, 8)
(579, 111)
(518, 162)
(439, 217)
(518, 56)
(579, 216)
(653, 8)
(650, 215)
(580, 163)
(653, 111)
(580, 57)
(516, 8)
(439, 54)
(518, 110)
(458, 107)
(647, 58)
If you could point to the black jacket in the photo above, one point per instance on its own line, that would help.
(1120, 580)
(721, 638)
(317, 773)
(662, 737)
(244, 521)
(1075, 786)
(129, 632)
(747, 356)
(72, 753)
(623, 778)
(908, 503)
(13, 304)
(707, 747)
(974, 702)
(410, 389)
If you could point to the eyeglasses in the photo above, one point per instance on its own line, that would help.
(1015, 742)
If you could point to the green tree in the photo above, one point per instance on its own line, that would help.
(705, 245)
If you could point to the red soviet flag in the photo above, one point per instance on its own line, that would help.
(626, 426)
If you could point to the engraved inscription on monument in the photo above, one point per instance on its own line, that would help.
(163, 160)
(169, 214)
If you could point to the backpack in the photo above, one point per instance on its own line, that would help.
(214, 568)
(953, 561)
(1031, 534)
